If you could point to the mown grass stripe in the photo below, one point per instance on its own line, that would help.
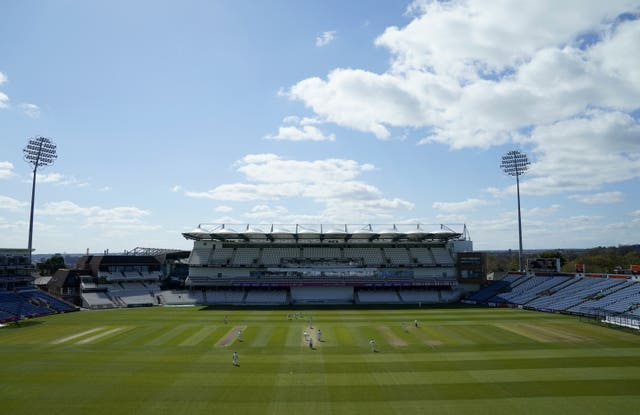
(381, 364)
(166, 334)
(214, 336)
(398, 393)
(277, 336)
(449, 337)
(77, 335)
(135, 338)
(101, 335)
(199, 336)
(261, 336)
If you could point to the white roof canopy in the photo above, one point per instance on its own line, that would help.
(346, 232)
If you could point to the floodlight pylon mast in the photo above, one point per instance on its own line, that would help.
(515, 163)
(39, 152)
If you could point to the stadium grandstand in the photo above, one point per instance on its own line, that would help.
(136, 278)
(325, 264)
(609, 298)
(291, 265)
(19, 298)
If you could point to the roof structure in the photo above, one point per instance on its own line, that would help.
(346, 232)
(142, 251)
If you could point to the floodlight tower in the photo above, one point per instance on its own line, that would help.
(515, 163)
(39, 152)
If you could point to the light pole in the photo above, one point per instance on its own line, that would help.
(39, 152)
(515, 163)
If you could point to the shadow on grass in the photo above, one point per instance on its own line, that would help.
(22, 324)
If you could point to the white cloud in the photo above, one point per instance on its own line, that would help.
(119, 230)
(325, 38)
(120, 217)
(294, 119)
(5, 225)
(9, 203)
(544, 212)
(497, 223)
(13, 232)
(176, 188)
(368, 102)
(363, 211)
(309, 121)
(270, 168)
(306, 133)
(584, 153)
(30, 110)
(465, 37)
(336, 211)
(496, 192)
(598, 198)
(257, 158)
(331, 183)
(452, 218)
(4, 101)
(613, 55)
(291, 119)
(241, 192)
(544, 232)
(49, 178)
(266, 212)
(59, 179)
(6, 169)
(228, 219)
(580, 220)
(472, 74)
(223, 208)
(466, 205)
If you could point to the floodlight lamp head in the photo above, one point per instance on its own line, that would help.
(515, 163)
(40, 152)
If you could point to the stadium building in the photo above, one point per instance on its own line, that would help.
(330, 264)
(15, 270)
(19, 298)
(290, 265)
(137, 278)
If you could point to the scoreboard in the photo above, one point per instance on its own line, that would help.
(543, 264)
(472, 267)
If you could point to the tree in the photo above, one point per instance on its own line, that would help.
(600, 259)
(554, 254)
(51, 265)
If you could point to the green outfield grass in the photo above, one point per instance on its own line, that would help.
(178, 361)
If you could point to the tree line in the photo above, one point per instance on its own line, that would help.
(602, 260)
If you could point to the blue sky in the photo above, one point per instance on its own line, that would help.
(168, 114)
